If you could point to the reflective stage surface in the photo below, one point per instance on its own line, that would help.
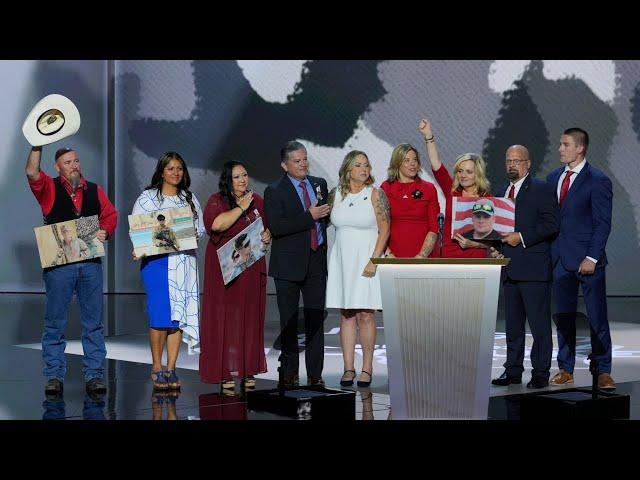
(130, 395)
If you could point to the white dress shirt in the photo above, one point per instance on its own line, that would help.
(576, 171)
(517, 186)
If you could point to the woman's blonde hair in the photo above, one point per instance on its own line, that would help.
(482, 183)
(345, 169)
(397, 156)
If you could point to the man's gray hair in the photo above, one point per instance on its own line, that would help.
(289, 147)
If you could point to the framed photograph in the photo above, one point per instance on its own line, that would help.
(242, 251)
(483, 218)
(162, 231)
(69, 242)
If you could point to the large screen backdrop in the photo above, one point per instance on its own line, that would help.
(214, 111)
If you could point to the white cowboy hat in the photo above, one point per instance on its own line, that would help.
(53, 118)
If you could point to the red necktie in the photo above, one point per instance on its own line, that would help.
(564, 188)
(512, 192)
(307, 204)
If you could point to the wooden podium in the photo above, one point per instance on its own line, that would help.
(439, 324)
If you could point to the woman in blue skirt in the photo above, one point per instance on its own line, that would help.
(170, 279)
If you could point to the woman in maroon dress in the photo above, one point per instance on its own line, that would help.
(413, 203)
(232, 323)
(470, 181)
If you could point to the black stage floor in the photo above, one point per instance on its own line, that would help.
(130, 395)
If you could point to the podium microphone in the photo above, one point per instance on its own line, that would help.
(440, 228)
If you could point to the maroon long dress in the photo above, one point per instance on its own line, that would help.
(232, 322)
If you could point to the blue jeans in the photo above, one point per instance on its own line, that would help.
(85, 279)
(54, 409)
(93, 409)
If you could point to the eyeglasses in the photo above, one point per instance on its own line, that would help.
(516, 162)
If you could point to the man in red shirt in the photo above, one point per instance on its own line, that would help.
(67, 197)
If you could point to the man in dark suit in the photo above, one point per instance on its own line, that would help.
(527, 280)
(585, 196)
(296, 209)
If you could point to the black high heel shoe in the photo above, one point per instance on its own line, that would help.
(347, 383)
(365, 384)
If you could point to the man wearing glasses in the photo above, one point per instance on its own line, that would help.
(527, 279)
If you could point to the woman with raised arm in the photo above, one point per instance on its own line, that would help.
(470, 180)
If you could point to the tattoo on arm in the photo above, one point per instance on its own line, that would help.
(382, 206)
(427, 246)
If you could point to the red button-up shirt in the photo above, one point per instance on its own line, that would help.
(45, 192)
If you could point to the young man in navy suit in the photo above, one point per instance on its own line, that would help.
(527, 280)
(585, 197)
(296, 211)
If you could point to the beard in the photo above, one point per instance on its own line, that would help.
(74, 179)
(513, 175)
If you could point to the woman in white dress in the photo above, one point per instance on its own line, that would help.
(171, 280)
(360, 215)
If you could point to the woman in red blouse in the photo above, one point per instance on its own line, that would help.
(413, 203)
(470, 180)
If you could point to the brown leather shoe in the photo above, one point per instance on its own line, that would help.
(605, 382)
(561, 378)
(291, 380)
(315, 381)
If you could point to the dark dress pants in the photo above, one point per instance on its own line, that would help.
(532, 301)
(565, 294)
(313, 289)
